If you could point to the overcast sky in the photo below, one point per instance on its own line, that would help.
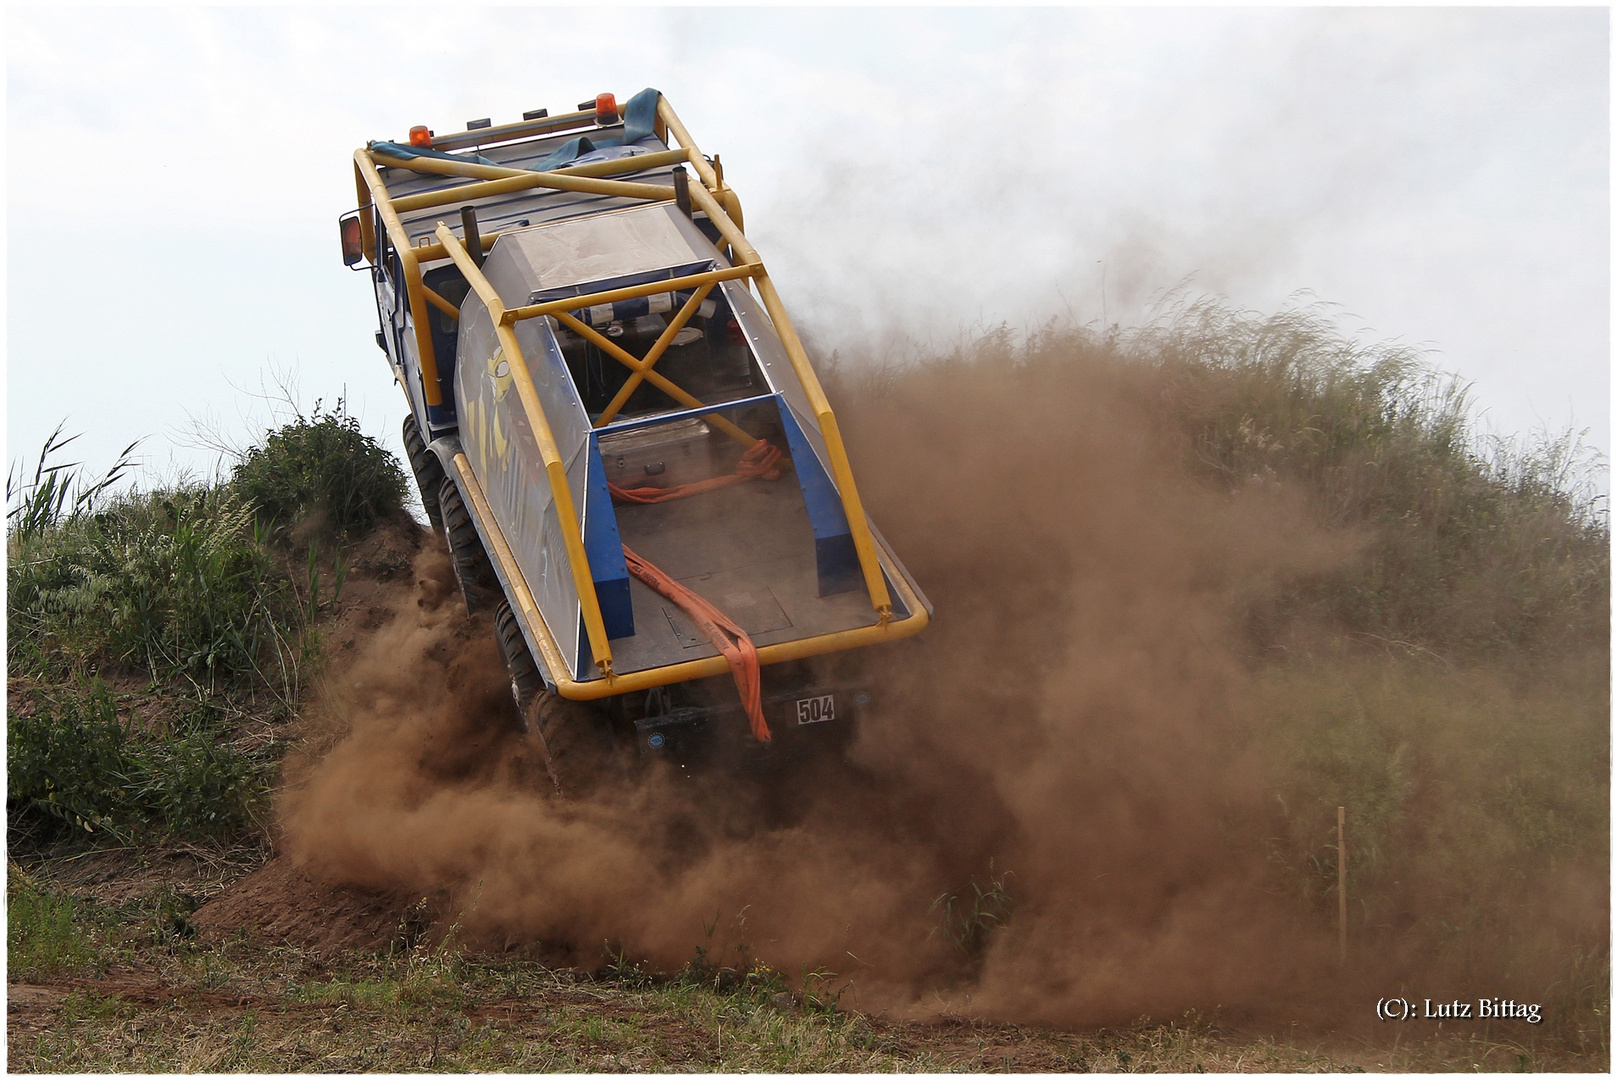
(174, 178)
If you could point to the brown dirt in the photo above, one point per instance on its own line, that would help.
(279, 904)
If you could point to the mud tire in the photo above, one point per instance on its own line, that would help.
(526, 682)
(473, 571)
(577, 744)
(429, 472)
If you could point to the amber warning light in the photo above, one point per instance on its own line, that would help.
(421, 137)
(353, 246)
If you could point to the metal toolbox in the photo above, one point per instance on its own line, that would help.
(666, 455)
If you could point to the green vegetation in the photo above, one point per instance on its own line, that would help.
(1477, 821)
(1449, 684)
(320, 477)
(1476, 545)
(241, 1007)
(1444, 676)
(73, 763)
(174, 583)
(968, 916)
(143, 627)
(44, 931)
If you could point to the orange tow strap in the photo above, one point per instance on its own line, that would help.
(761, 461)
(726, 636)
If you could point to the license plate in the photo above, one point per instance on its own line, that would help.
(816, 710)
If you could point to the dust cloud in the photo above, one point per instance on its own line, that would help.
(1068, 729)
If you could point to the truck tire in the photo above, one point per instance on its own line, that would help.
(526, 682)
(429, 472)
(577, 746)
(473, 572)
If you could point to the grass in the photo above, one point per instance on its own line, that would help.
(192, 591)
(44, 931)
(73, 764)
(968, 916)
(174, 583)
(1446, 678)
(237, 1007)
(1477, 544)
(1477, 823)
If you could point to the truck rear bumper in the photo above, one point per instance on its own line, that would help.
(797, 715)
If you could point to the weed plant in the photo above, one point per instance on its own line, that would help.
(186, 587)
(1473, 544)
(73, 764)
(1478, 828)
(320, 477)
(1476, 543)
(44, 932)
(968, 916)
(174, 582)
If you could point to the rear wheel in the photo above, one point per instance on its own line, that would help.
(473, 572)
(526, 682)
(575, 739)
(429, 473)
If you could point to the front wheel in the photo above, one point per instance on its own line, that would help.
(429, 473)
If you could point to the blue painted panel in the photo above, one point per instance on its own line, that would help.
(659, 419)
(604, 547)
(835, 558)
(441, 418)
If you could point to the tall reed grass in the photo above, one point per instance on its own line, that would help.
(193, 590)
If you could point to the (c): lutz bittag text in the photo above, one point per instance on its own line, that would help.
(1484, 1009)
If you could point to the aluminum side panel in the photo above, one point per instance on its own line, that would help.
(500, 445)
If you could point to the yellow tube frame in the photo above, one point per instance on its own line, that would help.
(656, 378)
(653, 354)
(722, 207)
(411, 269)
(496, 180)
(628, 292)
(555, 468)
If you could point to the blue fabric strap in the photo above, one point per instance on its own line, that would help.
(568, 152)
(405, 153)
(640, 115)
(639, 122)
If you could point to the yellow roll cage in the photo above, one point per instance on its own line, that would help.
(715, 198)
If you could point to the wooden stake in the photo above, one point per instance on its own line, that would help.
(1341, 883)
